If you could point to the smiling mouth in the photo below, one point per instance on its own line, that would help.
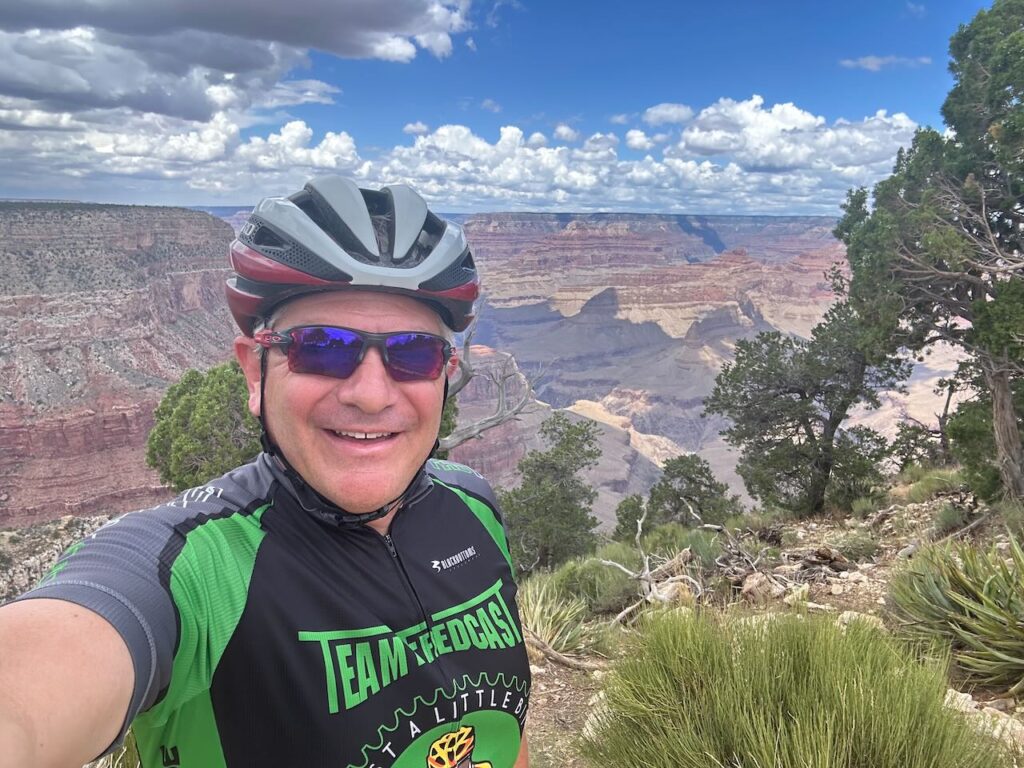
(362, 436)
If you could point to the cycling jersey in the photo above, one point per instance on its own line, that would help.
(263, 635)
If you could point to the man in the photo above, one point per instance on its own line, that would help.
(340, 601)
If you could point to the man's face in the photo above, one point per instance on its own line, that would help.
(305, 412)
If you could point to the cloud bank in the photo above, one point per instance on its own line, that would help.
(183, 101)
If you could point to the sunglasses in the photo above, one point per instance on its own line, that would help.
(331, 351)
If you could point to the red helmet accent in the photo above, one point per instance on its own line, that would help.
(253, 265)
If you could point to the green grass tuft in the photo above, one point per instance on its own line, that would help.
(696, 692)
(934, 482)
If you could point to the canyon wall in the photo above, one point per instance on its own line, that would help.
(101, 308)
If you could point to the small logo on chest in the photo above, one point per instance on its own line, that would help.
(454, 561)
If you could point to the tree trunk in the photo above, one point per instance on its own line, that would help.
(1009, 453)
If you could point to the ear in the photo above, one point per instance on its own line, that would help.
(249, 360)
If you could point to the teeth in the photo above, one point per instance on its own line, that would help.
(363, 435)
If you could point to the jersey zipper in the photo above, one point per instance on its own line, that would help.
(411, 589)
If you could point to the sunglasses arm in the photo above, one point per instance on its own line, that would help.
(268, 338)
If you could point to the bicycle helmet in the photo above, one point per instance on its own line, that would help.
(333, 235)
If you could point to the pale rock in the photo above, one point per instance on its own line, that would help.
(846, 617)
(759, 589)
(836, 589)
(798, 596)
(962, 702)
(856, 576)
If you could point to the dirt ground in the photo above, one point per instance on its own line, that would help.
(560, 702)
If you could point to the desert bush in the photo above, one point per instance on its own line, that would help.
(912, 473)
(932, 483)
(672, 538)
(864, 506)
(974, 600)
(602, 588)
(694, 691)
(949, 518)
(857, 546)
(555, 617)
(1011, 513)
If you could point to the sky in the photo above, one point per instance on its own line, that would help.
(743, 107)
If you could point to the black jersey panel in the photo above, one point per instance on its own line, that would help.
(346, 635)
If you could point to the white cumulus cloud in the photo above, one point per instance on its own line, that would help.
(564, 132)
(667, 112)
(417, 129)
(637, 139)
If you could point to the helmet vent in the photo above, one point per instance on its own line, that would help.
(266, 237)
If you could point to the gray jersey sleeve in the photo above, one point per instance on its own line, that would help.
(122, 572)
(468, 480)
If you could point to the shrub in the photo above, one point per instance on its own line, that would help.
(949, 518)
(670, 539)
(1012, 514)
(972, 599)
(932, 483)
(693, 692)
(858, 546)
(602, 588)
(864, 506)
(556, 618)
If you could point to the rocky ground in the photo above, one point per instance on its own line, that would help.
(806, 570)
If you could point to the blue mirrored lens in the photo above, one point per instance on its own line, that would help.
(325, 351)
(414, 356)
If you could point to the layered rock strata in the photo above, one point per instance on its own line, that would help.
(102, 308)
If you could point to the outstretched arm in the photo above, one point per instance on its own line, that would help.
(523, 761)
(66, 680)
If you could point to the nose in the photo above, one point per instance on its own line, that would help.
(369, 388)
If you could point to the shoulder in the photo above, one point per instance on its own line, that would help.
(459, 477)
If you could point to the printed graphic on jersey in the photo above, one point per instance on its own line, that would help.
(455, 750)
(359, 663)
(475, 723)
(453, 561)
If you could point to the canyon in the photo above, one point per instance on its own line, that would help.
(624, 319)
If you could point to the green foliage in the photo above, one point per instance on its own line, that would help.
(787, 399)
(931, 484)
(937, 259)
(692, 691)
(915, 444)
(555, 617)
(864, 506)
(949, 518)
(858, 546)
(1012, 515)
(857, 457)
(549, 513)
(603, 588)
(973, 441)
(669, 539)
(687, 493)
(202, 427)
(449, 420)
(971, 599)
(629, 511)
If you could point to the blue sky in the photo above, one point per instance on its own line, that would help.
(743, 107)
